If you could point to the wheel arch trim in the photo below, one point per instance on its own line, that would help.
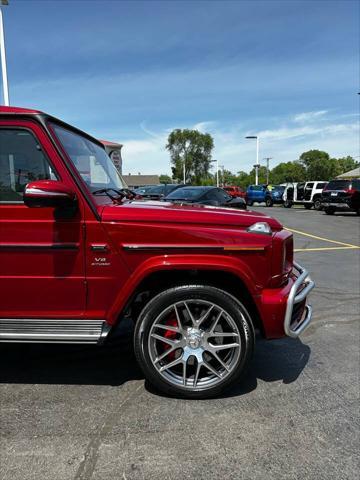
(179, 263)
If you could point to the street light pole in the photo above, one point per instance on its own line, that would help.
(217, 170)
(222, 176)
(217, 173)
(257, 165)
(267, 168)
(3, 56)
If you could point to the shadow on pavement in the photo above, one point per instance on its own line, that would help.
(274, 360)
(115, 364)
(111, 364)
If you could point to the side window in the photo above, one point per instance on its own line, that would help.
(320, 186)
(21, 161)
(222, 196)
(210, 195)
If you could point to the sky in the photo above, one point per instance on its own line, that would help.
(287, 71)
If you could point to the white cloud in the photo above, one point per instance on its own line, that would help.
(288, 132)
(309, 116)
(148, 155)
(149, 132)
(204, 127)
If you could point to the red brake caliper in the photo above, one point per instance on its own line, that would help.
(172, 322)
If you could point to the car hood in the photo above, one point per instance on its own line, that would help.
(166, 212)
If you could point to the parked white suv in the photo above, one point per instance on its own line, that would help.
(304, 193)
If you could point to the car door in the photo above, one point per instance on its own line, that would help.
(222, 197)
(299, 192)
(41, 254)
(259, 194)
(209, 198)
(308, 191)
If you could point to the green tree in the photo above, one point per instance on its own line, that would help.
(309, 157)
(208, 181)
(287, 172)
(319, 165)
(243, 179)
(194, 149)
(226, 177)
(262, 175)
(165, 179)
(345, 164)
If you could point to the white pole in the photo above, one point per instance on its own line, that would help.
(184, 171)
(217, 173)
(3, 62)
(257, 162)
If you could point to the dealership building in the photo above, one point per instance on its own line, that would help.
(114, 151)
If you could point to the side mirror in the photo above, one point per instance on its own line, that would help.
(49, 193)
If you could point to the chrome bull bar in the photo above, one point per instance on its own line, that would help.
(305, 285)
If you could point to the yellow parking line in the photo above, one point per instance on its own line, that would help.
(323, 239)
(320, 249)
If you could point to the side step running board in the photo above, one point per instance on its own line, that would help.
(53, 331)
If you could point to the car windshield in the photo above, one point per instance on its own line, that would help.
(338, 185)
(140, 190)
(91, 161)
(278, 188)
(186, 193)
(156, 189)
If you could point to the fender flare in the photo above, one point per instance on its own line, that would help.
(232, 265)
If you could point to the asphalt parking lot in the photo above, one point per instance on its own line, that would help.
(85, 413)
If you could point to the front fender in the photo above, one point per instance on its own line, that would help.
(231, 264)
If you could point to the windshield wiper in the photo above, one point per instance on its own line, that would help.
(122, 193)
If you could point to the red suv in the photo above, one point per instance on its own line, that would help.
(78, 253)
(235, 191)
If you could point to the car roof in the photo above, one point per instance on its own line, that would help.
(18, 110)
(205, 187)
(42, 117)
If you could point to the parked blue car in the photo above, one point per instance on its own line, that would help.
(268, 194)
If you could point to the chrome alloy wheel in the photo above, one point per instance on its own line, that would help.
(194, 344)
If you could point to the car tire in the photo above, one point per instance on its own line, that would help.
(269, 202)
(308, 206)
(287, 204)
(202, 366)
(317, 204)
(329, 210)
(249, 203)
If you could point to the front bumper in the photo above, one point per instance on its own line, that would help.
(337, 205)
(285, 310)
(296, 321)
